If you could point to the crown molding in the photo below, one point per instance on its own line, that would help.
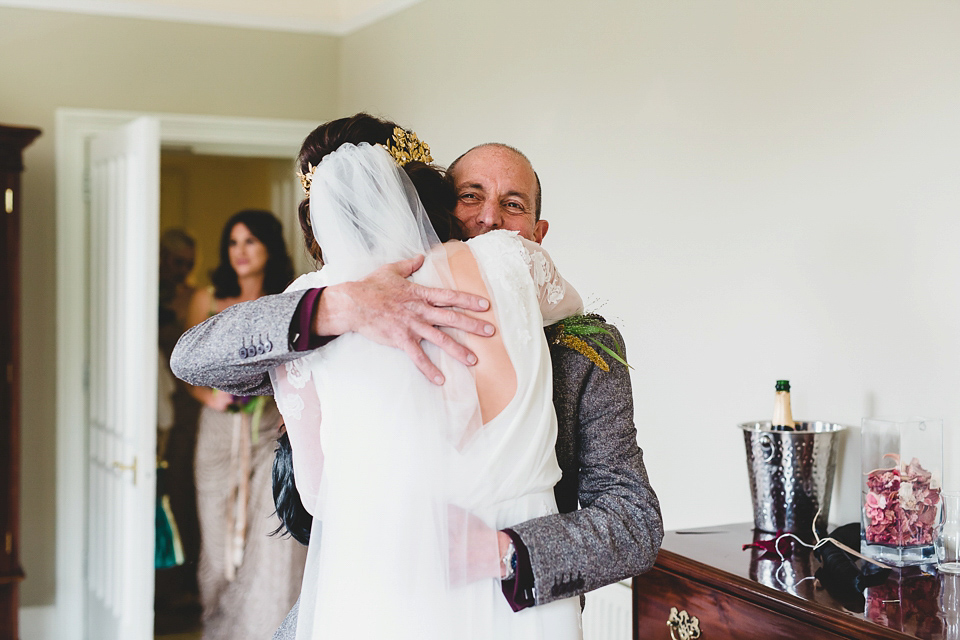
(146, 10)
(378, 12)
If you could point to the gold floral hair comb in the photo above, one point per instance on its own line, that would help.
(306, 178)
(404, 146)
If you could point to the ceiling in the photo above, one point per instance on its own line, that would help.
(334, 17)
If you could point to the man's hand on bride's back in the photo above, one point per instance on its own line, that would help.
(389, 309)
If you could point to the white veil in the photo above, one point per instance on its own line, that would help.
(377, 449)
(365, 212)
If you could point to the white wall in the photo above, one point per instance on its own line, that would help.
(751, 190)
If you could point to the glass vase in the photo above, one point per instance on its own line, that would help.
(948, 545)
(902, 463)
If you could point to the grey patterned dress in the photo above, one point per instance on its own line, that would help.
(248, 579)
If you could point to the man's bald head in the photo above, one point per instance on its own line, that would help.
(538, 199)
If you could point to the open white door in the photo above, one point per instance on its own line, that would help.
(121, 464)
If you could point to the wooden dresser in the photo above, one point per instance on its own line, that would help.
(736, 594)
(12, 142)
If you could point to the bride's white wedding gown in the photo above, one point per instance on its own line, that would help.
(394, 468)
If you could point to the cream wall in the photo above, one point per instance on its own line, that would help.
(50, 60)
(752, 190)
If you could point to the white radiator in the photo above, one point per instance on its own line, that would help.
(607, 614)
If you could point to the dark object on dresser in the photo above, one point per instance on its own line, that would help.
(839, 572)
(12, 142)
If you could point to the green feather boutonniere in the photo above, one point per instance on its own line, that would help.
(575, 331)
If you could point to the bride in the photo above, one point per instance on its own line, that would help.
(409, 482)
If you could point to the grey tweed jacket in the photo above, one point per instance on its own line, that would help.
(616, 531)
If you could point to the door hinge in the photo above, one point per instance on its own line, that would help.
(86, 186)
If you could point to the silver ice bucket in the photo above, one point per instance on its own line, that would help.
(791, 474)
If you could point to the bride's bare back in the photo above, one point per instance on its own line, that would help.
(495, 376)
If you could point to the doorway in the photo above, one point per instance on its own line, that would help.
(198, 193)
(75, 129)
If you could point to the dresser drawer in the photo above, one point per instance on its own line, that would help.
(721, 616)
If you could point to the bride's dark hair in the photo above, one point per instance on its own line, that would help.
(295, 520)
(436, 193)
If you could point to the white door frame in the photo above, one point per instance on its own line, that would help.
(74, 127)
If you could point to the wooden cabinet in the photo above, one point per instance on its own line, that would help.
(704, 580)
(12, 142)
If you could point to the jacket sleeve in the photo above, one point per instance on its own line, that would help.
(288, 628)
(617, 530)
(234, 350)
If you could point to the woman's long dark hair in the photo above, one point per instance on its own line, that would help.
(278, 271)
(436, 193)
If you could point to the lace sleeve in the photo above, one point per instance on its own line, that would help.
(299, 405)
(558, 299)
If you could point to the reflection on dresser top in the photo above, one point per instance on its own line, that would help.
(704, 583)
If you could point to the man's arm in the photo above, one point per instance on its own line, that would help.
(234, 350)
(288, 628)
(616, 533)
(384, 307)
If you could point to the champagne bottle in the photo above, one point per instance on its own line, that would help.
(782, 415)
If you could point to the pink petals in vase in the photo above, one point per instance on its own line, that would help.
(901, 506)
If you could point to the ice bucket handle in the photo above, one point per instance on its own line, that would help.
(766, 443)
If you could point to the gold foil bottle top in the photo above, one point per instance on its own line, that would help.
(782, 414)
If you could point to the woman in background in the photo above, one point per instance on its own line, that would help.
(248, 580)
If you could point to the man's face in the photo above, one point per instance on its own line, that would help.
(497, 189)
(176, 263)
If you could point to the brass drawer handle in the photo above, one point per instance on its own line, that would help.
(686, 626)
